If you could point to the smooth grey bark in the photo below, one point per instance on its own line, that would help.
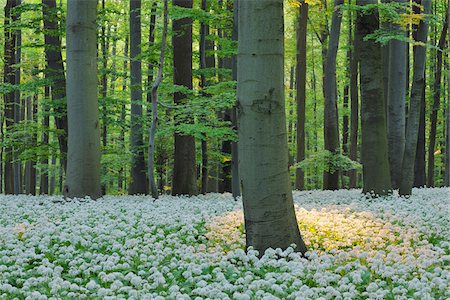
(270, 219)
(154, 98)
(83, 164)
(331, 124)
(412, 127)
(235, 181)
(396, 99)
(30, 171)
(301, 29)
(138, 184)
(376, 174)
(436, 103)
(185, 169)
(104, 45)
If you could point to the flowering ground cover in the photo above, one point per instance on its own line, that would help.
(193, 248)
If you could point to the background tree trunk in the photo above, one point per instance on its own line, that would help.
(270, 219)
(55, 72)
(138, 184)
(331, 124)
(373, 113)
(436, 104)
(396, 99)
(184, 169)
(412, 127)
(83, 166)
(301, 28)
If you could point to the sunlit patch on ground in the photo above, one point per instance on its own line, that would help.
(193, 248)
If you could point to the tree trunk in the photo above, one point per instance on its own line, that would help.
(150, 65)
(235, 184)
(121, 178)
(18, 115)
(104, 92)
(55, 71)
(83, 166)
(412, 127)
(154, 99)
(373, 113)
(8, 98)
(396, 98)
(420, 177)
(301, 28)
(436, 104)
(270, 219)
(138, 184)
(331, 125)
(43, 186)
(185, 168)
(354, 107)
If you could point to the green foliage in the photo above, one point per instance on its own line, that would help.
(326, 161)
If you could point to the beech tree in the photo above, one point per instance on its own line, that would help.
(373, 113)
(83, 164)
(412, 127)
(184, 168)
(270, 219)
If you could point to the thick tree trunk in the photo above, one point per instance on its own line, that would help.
(436, 104)
(83, 165)
(55, 72)
(270, 219)
(412, 127)
(301, 28)
(18, 105)
(138, 184)
(104, 91)
(331, 124)
(184, 169)
(396, 99)
(373, 113)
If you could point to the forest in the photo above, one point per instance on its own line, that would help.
(225, 149)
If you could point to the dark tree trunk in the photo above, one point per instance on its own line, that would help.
(373, 113)
(436, 104)
(301, 28)
(412, 127)
(138, 184)
(9, 77)
(420, 177)
(121, 177)
(185, 169)
(331, 125)
(104, 92)
(55, 72)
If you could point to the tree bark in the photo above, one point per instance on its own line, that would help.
(270, 219)
(8, 98)
(55, 71)
(154, 100)
(301, 28)
(436, 104)
(412, 127)
(331, 125)
(184, 169)
(83, 166)
(420, 177)
(235, 184)
(43, 186)
(396, 99)
(122, 176)
(376, 174)
(138, 184)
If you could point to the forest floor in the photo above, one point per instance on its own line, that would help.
(193, 248)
